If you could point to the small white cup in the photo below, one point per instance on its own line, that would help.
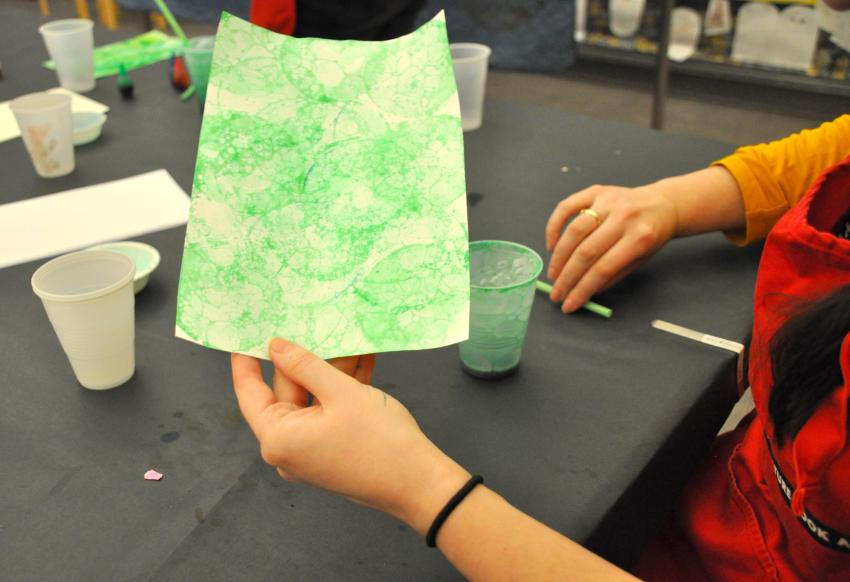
(47, 130)
(89, 300)
(470, 64)
(70, 43)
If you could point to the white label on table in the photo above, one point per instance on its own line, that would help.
(705, 338)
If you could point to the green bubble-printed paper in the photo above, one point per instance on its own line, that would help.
(329, 198)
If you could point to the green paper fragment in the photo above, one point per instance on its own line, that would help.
(329, 202)
(140, 51)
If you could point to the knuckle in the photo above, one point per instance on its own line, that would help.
(606, 195)
(627, 210)
(559, 291)
(299, 363)
(586, 253)
(579, 229)
(268, 456)
(565, 282)
(645, 236)
(603, 272)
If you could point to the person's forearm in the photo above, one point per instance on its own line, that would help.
(486, 538)
(706, 200)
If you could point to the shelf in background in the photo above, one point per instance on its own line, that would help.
(717, 70)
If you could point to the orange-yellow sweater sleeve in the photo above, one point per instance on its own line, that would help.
(774, 176)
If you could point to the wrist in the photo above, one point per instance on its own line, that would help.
(666, 190)
(436, 480)
(703, 201)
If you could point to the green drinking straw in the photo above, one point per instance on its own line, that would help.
(590, 305)
(187, 93)
(172, 22)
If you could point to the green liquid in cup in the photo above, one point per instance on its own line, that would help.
(198, 58)
(502, 276)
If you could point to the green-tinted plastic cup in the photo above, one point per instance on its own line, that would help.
(198, 56)
(502, 276)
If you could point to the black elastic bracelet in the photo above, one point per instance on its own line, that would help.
(431, 538)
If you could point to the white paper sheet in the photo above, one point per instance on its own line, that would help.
(766, 36)
(66, 221)
(9, 127)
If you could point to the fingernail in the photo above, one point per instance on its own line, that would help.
(277, 345)
(557, 296)
(570, 305)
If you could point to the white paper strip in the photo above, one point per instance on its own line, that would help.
(58, 223)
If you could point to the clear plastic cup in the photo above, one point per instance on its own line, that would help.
(70, 43)
(47, 130)
(89, 300)
(198, 55)
(503, 276)
(470, 64)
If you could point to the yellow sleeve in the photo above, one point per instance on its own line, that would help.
(774, 176)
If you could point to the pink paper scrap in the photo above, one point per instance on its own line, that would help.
(152, 475)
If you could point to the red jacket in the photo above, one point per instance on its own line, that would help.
(757, 511)
(275, 15)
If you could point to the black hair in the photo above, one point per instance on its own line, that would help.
(804, 355)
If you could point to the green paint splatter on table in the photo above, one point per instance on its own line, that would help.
(329, 198)
(140, 51)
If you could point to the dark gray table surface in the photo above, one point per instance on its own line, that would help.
(595, 435)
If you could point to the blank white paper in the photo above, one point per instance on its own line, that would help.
(66, 221)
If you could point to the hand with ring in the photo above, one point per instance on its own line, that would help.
(613, 231)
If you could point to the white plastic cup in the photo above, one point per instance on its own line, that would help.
(47, 130)
(470, 64)
(70, 43)
(89, 300)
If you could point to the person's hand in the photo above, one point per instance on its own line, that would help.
(358, 367)
(355, 440)
(592, 254)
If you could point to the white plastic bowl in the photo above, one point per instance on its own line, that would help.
(144, 255)
(87, 126)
